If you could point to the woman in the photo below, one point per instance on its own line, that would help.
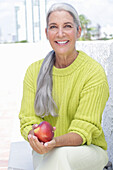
(71, 93)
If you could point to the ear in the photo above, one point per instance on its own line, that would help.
(46, 33)
(79, 32)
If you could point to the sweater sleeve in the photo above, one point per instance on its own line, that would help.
(27, 114)
(87, 119)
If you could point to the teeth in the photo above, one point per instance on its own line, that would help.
(62, 42)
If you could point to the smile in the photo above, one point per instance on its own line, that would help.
(62, 42)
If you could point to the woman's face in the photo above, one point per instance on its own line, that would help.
(62, 32)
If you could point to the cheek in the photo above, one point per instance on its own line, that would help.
(72, 35)
(73, 38)
(51, 36)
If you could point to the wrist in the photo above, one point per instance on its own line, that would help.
(57, 144)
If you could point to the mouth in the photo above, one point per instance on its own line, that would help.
(62, 42)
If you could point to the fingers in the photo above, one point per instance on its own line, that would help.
(54, 128)
(34, 126)
(31, 132)
(36, 145)
(50, 145)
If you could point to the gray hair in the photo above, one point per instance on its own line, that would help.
(66, 7)
(44, 103)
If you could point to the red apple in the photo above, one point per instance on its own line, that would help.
(44, 132)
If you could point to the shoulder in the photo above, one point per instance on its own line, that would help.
(93, 70)
(35, 66)
(33, 70)
(89, 60)
(90, 64)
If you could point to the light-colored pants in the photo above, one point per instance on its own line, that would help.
(72, 158)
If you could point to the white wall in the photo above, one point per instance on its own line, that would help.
(14, 60)
(102, 51)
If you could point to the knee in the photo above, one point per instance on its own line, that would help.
(58, 153)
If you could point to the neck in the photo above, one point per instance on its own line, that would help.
(63, 61)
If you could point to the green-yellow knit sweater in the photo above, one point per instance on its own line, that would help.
(80, 92)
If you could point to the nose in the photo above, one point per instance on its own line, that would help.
(60, 32)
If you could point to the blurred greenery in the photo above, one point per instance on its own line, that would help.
(23, 41)
(90, 32)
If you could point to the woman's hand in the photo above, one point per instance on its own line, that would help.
(32, 131)
(41, 147)
(38, 146)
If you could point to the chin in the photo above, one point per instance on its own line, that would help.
(61, 52)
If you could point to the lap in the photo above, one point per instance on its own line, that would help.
(71, 158)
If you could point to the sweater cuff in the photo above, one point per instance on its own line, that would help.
(25, 132)
(82, 136)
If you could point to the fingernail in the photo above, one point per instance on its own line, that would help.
(54, 128)
(45, 144)
(29, 136)
(36, 125)
(34, 137)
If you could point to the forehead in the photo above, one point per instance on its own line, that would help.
(63, 16)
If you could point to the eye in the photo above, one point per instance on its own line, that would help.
(52, 27)
(68, 26)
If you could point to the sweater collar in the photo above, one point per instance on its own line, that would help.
(78, 62)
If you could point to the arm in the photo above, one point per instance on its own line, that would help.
(27, 114)
(88, 117)
(69, 139)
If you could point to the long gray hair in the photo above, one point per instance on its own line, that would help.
(44, 103)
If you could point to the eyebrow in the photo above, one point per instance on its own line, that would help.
(52, 24)
(68, 23)
(64, 23)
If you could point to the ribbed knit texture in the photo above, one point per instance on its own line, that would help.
(80, 92)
